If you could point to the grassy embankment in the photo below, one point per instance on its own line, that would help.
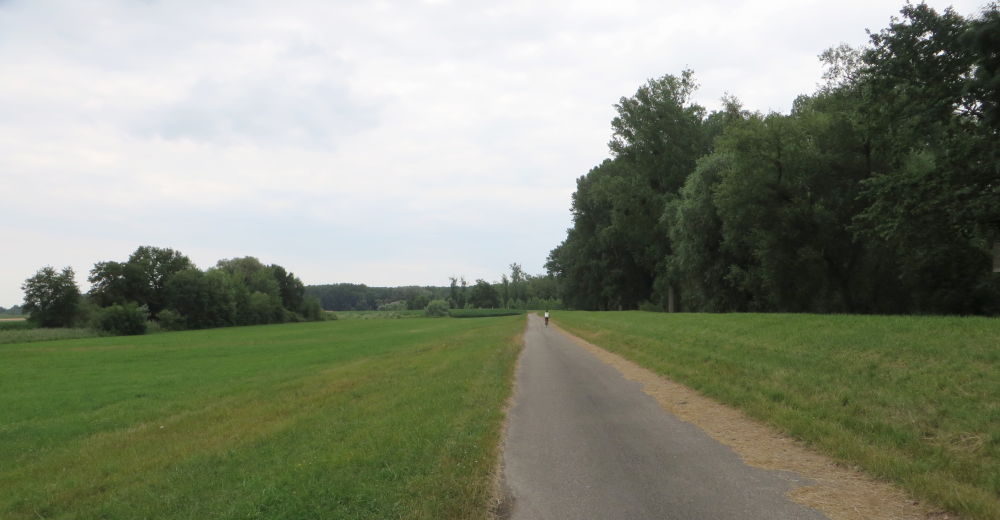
(914, 400)
(341, 419)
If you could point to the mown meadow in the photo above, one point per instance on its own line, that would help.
(913, 400)
(335, 419)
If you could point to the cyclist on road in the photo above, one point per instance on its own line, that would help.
(546, 318)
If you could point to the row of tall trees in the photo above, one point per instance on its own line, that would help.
(880, 193)
(163, 285)
(360, 297)
(517, 290)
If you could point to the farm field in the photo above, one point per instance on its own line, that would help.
(336, 419)
(913, 400)
(377, 315)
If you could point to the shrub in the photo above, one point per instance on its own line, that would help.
(171, 320)
(393, 306)
(436, 308)
(649, 306)
(127, 319)
(311, 309)
(153, 327)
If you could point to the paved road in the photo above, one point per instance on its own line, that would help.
(585, 443)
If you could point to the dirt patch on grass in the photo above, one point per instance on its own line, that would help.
(12, 319)
(840, 492)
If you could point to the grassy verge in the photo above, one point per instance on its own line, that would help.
(338, 419)
(914, 400)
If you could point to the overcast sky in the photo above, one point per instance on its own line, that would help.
(387, 143)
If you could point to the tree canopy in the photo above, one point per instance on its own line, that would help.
(51, 297)
(878, 193)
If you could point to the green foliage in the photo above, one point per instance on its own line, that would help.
(142, 278)
(457, 293)
(877, 194)
(484, 295)
(436, 308)
(205, 300)
(910, 399)
(238, 291)
(360, 297)
(650, 307)
(171, 320)
(615, 256)
(544, 303)
(393, 306)
(311, 309)
(347, 419)
(126, 319)
(51, 297)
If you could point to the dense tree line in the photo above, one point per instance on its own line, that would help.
(518, 290)
(15, 310)
(880, 193)
(360, 297)
(164, 286)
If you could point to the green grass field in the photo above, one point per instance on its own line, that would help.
(338, 419)
(914, 400)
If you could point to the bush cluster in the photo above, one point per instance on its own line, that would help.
(436, 308)
(126, 319)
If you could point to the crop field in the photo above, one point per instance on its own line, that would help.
(483, 313)
(913, 400)
(337, 419)
(21, 331)
(377, 315)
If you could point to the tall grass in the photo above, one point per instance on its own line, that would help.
(914, 400)
(25, 332)
(337, 419)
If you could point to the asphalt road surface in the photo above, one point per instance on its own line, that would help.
(585, 443)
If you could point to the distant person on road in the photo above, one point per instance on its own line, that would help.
(546, 318)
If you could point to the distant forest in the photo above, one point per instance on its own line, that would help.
(880, 193)
(518, 290)
(13, 311)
